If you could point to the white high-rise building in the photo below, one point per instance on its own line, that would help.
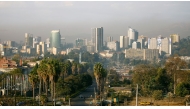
(36, 40)
(133, 35)
(44, 47)
(109, 39)
(97, 38)
(124, 41)
(160, 43)
(175, 38)
(152, 43)
(166, 45)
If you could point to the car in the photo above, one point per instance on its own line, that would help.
(20, 104)
(81, 96)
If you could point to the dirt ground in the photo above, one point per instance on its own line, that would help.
(177, 101)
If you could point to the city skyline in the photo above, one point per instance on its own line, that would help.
(75, 19)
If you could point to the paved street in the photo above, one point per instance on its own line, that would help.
(87, 99)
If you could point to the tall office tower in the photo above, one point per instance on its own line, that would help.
(166, 45)
(36, 40)
(79, 42)
(43, 47)
(152, 43)
(55, 39)
(48, 42)
(97, 38)
(10, 44)
(175, 38)
(143, 37)
(133, 35)
(114, 45)
(109, 39)
(28, 40)
(121, 41)
(142, 42)
(63, 42)
(124, 41)
(136, 45)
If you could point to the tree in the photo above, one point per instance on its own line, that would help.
(33, 78)
(181, 90)
(53, 73)
(158, 95)
(173, 65)
(100, 74)
(144, 75)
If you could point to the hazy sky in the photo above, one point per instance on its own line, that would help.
(75, 19)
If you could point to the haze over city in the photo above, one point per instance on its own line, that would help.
(75, 19)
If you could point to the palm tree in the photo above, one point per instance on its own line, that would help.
(79, 68)
(100, 74)
(43, 74)
(33, 79)
(53, 72)
(74, 67)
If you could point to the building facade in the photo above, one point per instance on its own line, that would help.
(114, 45)
(175, 38)
(97, 38)
(55, 39)
(133, 35)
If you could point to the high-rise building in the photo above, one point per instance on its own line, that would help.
(55, 39)
(152, 43)
(175, 38)
(36, 40)
(142, 42)
(97, 38)
(136, 45)
(124, 41)
(160, 43)
(44, 47)
(28, 40)
(166, 45)
(109, 39)
(114, 45)
(133, 35)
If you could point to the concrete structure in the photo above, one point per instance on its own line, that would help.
(44, 47)
(39, 49)
(55, 39)
(109, 39)
(166, 45)
(142, 42)
(136, 45)
(48, 42)
(114, 45)
(7, 63)
(36, 40)
(142, 54)
(133, 35)
(97, 38)
(31, 50)
(175, 38)
(55, 50)
(28, 39)
(160, 43)
(90, 48)
(152, 43)
(124, 41)
(151, 54)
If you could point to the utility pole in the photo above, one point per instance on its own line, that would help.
(69, 101)
(94, 95)
(137, 96)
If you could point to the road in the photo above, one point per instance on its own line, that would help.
(88, 94)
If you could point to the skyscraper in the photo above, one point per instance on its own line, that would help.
(124, 41)
(133, 35)
(97, 38)
(175, 38)
(55, 39)
(109, 39)
(28, 40)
